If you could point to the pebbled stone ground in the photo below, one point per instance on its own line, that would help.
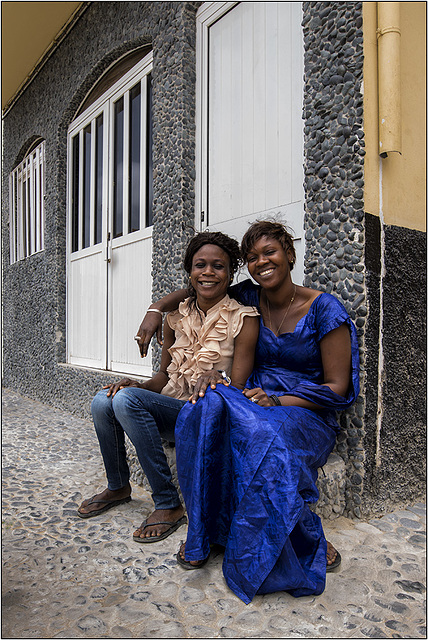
(64, 577)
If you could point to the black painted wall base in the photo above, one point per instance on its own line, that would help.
(396, 456)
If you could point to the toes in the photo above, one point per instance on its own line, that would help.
(331, 556)
(331, 553)
(83, 508)
(146, 533)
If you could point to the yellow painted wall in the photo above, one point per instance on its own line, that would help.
(27, 30)
(403, 188)
(371, 129)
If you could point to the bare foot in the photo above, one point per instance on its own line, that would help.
(92, 504)
(194, 563)
(331, 553)
(159, 515)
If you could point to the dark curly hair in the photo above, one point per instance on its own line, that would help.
(275, 230)
(229, 245)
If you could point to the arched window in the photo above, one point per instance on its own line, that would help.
(114, 73)
(109, 238)
(27, 211)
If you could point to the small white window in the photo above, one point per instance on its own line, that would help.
(27, 211)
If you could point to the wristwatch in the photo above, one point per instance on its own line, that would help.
(224, 376)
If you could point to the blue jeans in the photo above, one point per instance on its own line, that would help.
(145, 417)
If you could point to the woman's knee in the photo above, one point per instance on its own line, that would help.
(125, 403)
(101, 404)
(131, 406)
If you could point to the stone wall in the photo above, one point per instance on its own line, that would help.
(334, 187)
(34, 320)
(331, 481)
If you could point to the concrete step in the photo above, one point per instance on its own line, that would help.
(331, 481)
(331, 486)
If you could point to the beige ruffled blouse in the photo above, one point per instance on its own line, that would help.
(202, 343)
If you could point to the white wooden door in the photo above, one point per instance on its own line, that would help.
(109, 226)
(129, 288)
(250, 128)
(87, 241)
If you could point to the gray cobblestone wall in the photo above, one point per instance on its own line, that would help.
(35, 305)
(331, 481)
(334, 183)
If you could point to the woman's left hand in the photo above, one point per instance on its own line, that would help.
(211, 378)
(117, 386)
(258, 396)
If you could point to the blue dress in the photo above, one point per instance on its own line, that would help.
(247, 473)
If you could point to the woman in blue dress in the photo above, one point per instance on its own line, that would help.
(247, 460)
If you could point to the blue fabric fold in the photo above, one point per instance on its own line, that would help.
(248, 473)
(320, 394)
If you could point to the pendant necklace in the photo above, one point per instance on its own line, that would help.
(285, 314)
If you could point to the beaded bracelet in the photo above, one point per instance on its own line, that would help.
(275, 400)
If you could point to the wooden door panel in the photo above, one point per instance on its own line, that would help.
(129, 296)
(253, 109)
(87, 308)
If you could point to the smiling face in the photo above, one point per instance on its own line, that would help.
(210, 275)
(268, 263)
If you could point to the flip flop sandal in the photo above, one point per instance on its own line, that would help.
(335, 564)
(186, 563)
(108, 504)
(173, 527)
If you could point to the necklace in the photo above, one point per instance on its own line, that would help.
(285, 314)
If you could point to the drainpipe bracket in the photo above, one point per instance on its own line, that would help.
(381, 32)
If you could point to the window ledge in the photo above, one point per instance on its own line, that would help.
(103, 372)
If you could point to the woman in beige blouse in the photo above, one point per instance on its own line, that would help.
(205, 333)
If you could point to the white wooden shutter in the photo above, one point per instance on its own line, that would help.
(250, 128)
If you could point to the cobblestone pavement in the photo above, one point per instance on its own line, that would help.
(64, 577)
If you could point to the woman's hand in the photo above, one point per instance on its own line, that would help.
(152, 321)
(117, 386)
(212, 378)
(151, 324)
(258, 396)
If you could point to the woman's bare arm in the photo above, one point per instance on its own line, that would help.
(244, 350)
(159, 380)
(336, 359)
(152, 321)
